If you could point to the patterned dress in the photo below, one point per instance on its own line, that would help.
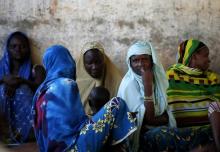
(60, 122)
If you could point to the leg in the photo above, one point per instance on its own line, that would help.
(113, 123)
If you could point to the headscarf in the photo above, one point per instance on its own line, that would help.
(185, 51)
(25, 69)
(62, 96)
(57, 62)
(187, 48)
(110, 78)
(132, 89)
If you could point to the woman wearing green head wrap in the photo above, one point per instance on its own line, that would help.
(144, 90)
(192, 87)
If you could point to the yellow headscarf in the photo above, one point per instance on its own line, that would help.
(110, 79)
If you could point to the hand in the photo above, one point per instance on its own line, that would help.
(147, 77)
(9, 91)
(12, 80)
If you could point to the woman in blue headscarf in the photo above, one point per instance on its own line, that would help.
(60, 122)
(16, 89)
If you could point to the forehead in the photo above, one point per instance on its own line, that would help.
(17, 38)
(204, 50)
(139, 57)
(93, 54)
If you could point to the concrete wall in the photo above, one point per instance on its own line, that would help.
(116, 23)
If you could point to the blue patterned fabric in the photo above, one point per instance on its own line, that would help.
(17, 109)
(177, 139)
(60, 121)
(25, 69)
(112, 124)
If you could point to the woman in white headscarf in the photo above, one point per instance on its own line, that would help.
(144, 89)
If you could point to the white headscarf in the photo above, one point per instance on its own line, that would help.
(132, 89)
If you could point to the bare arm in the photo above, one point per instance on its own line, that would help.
(215, 123)
(150, 117)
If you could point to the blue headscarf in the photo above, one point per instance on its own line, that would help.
(25, 69)
(57, 62)
(64, 112)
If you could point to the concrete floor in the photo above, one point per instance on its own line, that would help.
(28, 147)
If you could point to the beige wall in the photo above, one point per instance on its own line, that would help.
(116, 23)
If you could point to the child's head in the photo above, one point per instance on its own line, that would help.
(38, 73)
(98, 97)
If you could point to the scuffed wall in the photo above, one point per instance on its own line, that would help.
(115, 23)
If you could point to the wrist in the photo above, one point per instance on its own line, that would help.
(148, 98)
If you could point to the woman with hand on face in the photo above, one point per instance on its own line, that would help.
(192, 87)
(95, 69)
(144, 90)
(16, 89)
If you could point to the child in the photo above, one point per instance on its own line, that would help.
(38, 78)
(98, 97)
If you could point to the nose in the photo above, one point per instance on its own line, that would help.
(140, 63)
(93, 66)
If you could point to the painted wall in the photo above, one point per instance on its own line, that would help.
(116, 23)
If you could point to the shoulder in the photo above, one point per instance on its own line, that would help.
(64, 84)
(213, 76)
(127, 86)
(170, 73)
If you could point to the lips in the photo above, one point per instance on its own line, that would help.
(94, 72)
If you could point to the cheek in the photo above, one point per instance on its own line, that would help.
(87, 67)
(134, 68)
(100, 67)
(133, 65)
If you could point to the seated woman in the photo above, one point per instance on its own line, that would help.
(60, 121)
(144, 89)
(191, 89)
(16, 89)
(94, 69)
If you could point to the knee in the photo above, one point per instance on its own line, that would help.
(118, 102)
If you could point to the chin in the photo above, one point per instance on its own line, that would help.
(95, 76)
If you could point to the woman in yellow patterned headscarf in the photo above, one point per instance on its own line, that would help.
(192, 87)
(94, 68)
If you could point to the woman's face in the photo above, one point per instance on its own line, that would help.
(140, 63)
(94, 63)
(18, 48)
(201, 59)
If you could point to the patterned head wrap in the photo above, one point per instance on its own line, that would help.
(186, 49)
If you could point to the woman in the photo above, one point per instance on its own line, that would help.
(60, 121)
(16, 89)
(144, 89)
(94, 69)
(191, 89)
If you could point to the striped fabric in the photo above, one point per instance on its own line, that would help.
(190, 96)
(214, 107)
(186, 50)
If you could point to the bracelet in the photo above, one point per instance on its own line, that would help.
(148, 98)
